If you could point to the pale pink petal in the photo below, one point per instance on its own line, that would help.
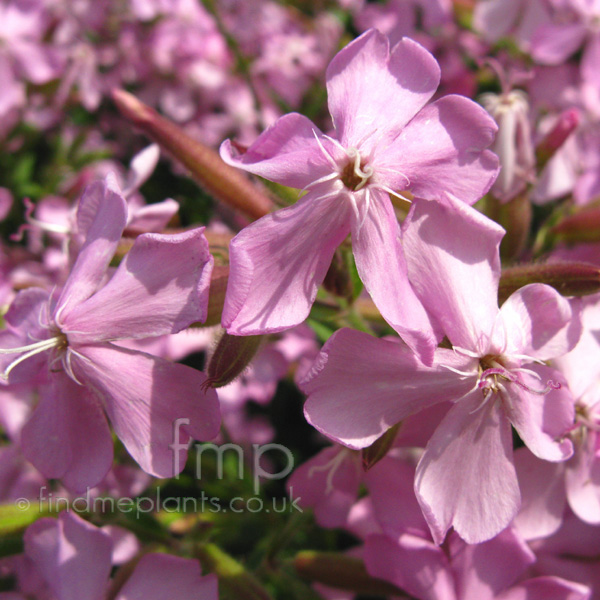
(590, 61)
(373, 93)
(552, 44)
(495, 18)
(72, 555)
(328, 483)
(543, 498)
(67, 437)
(466, 477)
(125, 544)
(582, 479)
(360, 386)
(541, 323)
(454, 266)
(287, 152)
(444, 150)
(542, 420)
(160, 287)
(152, 217)
(27, 312)
(144, 396)
(548, 588)
(382, 268)
(412, 564)
(107, 217)
(483, 570)
(141, 167)
(162, 576)
(391, 489)
(278, 263)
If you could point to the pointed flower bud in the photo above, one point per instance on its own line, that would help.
(568, 278)
(567, 122)
(583, 226)
(231, 356)
(219, 179)
(342, 572)
(379, 448)
(234, 580)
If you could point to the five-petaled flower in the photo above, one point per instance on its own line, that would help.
(66, 344)
(387, 141)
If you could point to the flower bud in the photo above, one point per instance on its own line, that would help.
(231, 356)
(342, 572)
(216, 295)
(222, 181)
(234, 580)
(567, 278)
(567, 122)
(583, 226)
(379, 448)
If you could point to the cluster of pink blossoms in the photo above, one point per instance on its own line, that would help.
(457, 393)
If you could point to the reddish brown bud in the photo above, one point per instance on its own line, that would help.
(216, 295)
(568, 278)
(222, 181)
(342, 572)
(583, 226)
(379, 448)
(231, 356)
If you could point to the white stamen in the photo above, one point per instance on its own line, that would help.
(332, 466)
(326, 154)
(459, 350)
(30, 350)
(393, 193)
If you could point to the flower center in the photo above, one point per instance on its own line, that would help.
(493, 373)
(356, 174)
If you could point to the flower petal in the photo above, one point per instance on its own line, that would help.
(443, 150)
(412, 564)
(287, 152)
(466, 477)
(144, 397)
(542, 420)
(382, 268)
(72, 555)
(67, 437)
(552, 44)
(278, 262)
(143, 300)
(360, 386)
(102, 215)
(484, 570)
(541, 323)
(373, 93)
(543, 498)
(454, 266)
(160, 576)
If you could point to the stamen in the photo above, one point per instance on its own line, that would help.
(332, 466)
(393, 193)
(326, 154)
(30, 350)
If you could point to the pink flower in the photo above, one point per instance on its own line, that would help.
(360, 386)
(74, 560)
(160, 287)
(387, 141)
